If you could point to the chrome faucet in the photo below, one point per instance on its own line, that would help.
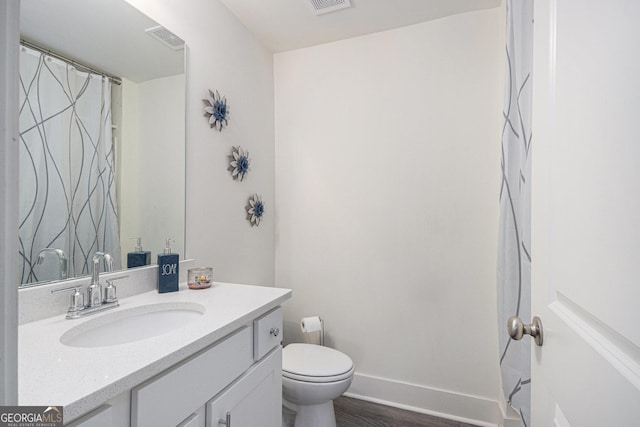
(95, 301)
(62, 260)
(108, 261)
(94, 291)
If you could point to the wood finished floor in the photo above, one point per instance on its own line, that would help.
(359, 413)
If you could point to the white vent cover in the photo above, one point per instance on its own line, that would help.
(166, 37)
(325, 6)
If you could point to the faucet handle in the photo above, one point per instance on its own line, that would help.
(76, 303)
(110, 290)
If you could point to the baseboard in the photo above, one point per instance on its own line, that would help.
(441, 403)
(510, 417)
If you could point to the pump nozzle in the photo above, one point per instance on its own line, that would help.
(138, 240)
(167, 247)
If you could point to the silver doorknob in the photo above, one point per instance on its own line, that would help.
(517, 329)
(274, 331)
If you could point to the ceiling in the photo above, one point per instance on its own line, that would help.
(84, 31)
(283, 25)
(280, 25)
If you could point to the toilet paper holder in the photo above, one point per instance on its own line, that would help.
(313, 324)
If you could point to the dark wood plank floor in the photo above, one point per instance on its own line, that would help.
(359, 413)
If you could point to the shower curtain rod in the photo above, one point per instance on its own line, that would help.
(79, 66)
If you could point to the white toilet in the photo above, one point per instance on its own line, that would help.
(312, 376)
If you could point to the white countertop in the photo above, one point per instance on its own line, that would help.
(82, 379)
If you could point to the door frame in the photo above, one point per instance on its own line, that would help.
(9, 68)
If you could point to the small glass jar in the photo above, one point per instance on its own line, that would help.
(200, 277)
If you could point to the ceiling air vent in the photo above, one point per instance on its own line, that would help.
(166, 37)
(321, 7)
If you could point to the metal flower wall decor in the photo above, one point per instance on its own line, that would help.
(239, 163)
(216, 110)
(255, 209)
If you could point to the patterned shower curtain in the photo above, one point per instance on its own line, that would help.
(514, 250)
(67, 170)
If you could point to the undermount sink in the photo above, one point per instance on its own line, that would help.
(133, 324)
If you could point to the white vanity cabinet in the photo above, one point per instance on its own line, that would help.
(239, 375)
(253, 400)
(195, 420)
(226, 360)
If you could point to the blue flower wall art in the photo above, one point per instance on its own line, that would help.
(255, 209)
(239, 163)
(216, 110)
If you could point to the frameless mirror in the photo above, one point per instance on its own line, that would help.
(102, 157)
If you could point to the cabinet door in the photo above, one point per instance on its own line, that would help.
(172, 396)
(255, 399)
(194, 420)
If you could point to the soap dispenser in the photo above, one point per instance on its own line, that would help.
(138, 257)
(168, 269)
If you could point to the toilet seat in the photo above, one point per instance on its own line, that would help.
(314, 363)
(311, 379)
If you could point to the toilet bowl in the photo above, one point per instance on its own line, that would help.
(312, 376)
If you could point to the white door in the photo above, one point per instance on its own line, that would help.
(586, 213)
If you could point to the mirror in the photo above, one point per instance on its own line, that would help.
(79, 194)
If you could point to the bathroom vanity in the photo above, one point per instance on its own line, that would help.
(221, 365)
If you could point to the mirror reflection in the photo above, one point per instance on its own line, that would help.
(101, 138)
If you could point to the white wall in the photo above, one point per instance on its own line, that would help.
(152, 156)
(223, 55)
(387, 178)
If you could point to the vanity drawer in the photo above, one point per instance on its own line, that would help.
(267, 333)
(173, 396)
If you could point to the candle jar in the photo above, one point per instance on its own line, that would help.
(200, 277)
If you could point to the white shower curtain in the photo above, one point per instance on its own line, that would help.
(514, 250)
(67, 170)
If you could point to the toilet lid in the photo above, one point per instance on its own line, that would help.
(309, 362)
